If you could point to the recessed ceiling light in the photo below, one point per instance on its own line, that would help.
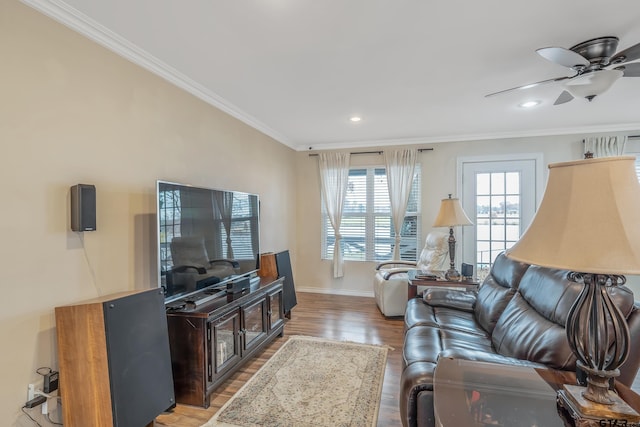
(355, 119)
(529, 104)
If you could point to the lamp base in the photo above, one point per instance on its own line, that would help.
(586, 413)
(452, 275)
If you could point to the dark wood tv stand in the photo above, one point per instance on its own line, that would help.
(212, 340)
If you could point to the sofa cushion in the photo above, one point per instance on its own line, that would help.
(524, 333)
(425, 343)
(497, 289)
(444, 308)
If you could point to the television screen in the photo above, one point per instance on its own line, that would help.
(206, 237)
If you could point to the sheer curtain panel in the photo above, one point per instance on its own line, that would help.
(400, 166)
(334, 176)
(605, 146)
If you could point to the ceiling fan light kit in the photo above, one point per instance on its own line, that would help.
(589, 61)
(593, 84)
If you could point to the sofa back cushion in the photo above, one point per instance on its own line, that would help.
(532, 326)
(497, 290)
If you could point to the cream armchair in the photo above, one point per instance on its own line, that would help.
(390, 284)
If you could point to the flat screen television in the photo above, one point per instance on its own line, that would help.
(207, 238)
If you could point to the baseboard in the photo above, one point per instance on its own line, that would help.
(335, 292)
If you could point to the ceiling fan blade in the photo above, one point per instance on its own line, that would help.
(530, 85)
(562, 56)
(563, 98)
(630, 54)
(630, 70)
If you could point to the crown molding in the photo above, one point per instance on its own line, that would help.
(623, 127)
(79, 22)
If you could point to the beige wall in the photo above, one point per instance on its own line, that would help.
(72, 112)
(439, 178)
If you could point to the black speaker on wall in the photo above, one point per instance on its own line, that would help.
(83, 207)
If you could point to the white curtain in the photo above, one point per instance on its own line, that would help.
(400, 169)
(605, 146)
(334, 176)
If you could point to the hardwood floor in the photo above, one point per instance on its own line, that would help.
(342, 318)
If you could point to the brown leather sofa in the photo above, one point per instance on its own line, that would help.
(516, 317)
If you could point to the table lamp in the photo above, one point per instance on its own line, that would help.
(588, 224)
(450, 215)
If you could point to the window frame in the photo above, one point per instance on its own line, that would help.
(372, 216)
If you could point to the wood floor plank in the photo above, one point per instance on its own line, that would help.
(343, 318)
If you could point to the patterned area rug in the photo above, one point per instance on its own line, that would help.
(310, 382)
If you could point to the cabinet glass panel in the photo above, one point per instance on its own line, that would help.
(276, 308)
(225, 342)
(254, 326)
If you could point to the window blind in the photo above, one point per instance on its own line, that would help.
(366, 226)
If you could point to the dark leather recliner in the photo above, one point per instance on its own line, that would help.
(516, 317)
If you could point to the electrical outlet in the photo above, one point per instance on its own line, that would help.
(32, 388)
(31, 392)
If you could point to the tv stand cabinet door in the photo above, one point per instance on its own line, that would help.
(224, 345)
(254, 324)
(275, 314)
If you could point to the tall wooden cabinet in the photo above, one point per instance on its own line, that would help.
(210, 342)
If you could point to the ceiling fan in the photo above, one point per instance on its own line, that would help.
(595, 65)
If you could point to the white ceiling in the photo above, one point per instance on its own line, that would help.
(416, 71)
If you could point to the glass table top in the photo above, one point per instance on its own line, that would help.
(468, 393)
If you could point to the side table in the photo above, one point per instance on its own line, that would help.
(416, 280)
(471, 393)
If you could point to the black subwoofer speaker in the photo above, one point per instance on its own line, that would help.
(83, 207)
(289, 300)
(115, 363)
(139, 358)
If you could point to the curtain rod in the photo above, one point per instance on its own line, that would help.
(628, 137)
(420, 150)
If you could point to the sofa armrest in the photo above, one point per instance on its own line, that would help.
(389, 273)
(451, 298)
(396, 262)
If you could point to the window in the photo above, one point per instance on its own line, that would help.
(498, 215)
(366, 227)
(499, 195)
